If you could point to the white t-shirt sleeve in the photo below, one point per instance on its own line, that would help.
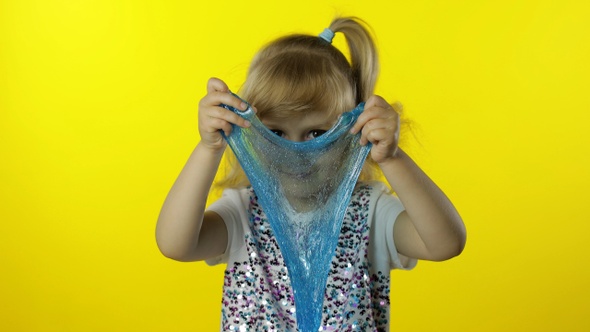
(387, 209)
(230, 207)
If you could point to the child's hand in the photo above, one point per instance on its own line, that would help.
(213, 118)
(379, 124)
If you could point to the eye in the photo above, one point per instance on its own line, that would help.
(278, 132)
(315, 133)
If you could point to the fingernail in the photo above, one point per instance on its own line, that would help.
(247, 123)
(243, 106)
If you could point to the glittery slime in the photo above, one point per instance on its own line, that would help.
(304, 189)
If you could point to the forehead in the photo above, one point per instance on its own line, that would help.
(314, 118)
(310, 109)
(308, 114)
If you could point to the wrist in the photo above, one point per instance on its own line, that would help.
(213, 151)
(394, 158)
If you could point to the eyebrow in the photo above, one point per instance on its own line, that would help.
(271, 123)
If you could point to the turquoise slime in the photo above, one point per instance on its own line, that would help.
(304, 189)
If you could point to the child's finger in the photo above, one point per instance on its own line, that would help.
(357, 126)
(397, 107)
(229, 116)
(214, 84)
(218, 98)
(218, 93)
(212, 101)
(368, 114)
(219, 124)
(380, 135)
(374, 106)
(376, 101)
(370, 129)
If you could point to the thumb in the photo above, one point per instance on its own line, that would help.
(216, 85)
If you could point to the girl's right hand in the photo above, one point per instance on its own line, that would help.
(213, 117)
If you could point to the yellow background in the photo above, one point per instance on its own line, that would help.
(98, 113)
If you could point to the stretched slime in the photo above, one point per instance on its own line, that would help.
(304, 189)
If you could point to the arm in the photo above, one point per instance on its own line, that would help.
(184, 231)
(430, 227)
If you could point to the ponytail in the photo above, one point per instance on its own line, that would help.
(363, 54)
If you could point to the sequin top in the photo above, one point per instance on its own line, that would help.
(257, 295)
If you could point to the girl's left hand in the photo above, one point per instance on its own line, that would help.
(379, 124)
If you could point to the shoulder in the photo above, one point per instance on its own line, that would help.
(233, 205)
(233, 196)
(380, 198)
(385, 208)
(234, 191)
(377, 200)
(231, 210)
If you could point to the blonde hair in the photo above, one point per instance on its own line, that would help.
(300, 73)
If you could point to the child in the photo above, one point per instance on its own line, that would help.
(299, 85)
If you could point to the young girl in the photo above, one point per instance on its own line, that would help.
(299, 85)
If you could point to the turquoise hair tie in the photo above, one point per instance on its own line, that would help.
(327, 35)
